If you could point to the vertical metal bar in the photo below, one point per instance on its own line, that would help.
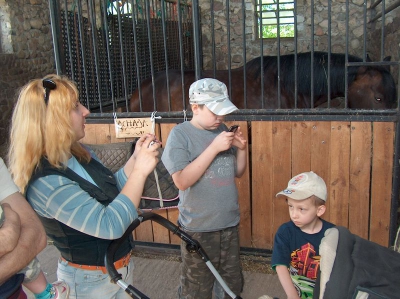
(228, 37)
(135, 38)
(56, 47)
(213, 37)
(244, 54)
(110, 68)
(83, 52)
(296, 78)
(365, 30)
(181, 54)
(95, 49)
(261, 55)
(121, 44)
(346, 63)
(395, 185)
(329, 52)
(312, 53)
(278, 57)
(383, 30)
(196, 38)
(163, 24)
(71, 61)
(149, 36)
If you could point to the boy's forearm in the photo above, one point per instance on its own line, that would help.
(188, 176)
(241, 161)
(286, 282)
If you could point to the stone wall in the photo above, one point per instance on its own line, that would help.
(26, 51)
(304, 30)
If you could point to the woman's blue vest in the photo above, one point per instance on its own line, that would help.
(75, 246)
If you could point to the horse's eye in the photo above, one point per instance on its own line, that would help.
(378, 99)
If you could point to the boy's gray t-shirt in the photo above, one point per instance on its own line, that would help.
(211, 204)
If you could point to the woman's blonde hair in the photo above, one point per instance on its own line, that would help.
(39, 129)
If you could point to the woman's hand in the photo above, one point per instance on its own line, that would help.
(146, 154)
(140, 142)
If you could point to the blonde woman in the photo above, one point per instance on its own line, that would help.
(82, 205)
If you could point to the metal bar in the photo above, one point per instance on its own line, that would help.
(149, 36)
(110, 68)
(196, 38)
(395, 187)
(83, 52)
(261, 56)
(346, 64)
(135, 44)
(71, 62)
(329, 52)
(181, 55)
(312, 53)
(228, 37)
(383, 30)
(278, 57)
(387, 10)
(163, 23)
(244, 54)
(177, 117)
(95, 50)
(375, 4)
(122, 59)
(56, 47)
(296, 78)
(213, 38)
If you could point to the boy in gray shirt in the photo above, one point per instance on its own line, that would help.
(204, 159)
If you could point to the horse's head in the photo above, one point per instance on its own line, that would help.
(372, 88)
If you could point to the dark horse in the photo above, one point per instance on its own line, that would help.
(369, 87)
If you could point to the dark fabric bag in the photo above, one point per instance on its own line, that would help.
(115, 155)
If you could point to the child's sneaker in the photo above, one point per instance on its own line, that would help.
(59, 290)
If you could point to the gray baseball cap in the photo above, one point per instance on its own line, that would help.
(213, 94)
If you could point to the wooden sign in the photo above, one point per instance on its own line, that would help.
(132, 127)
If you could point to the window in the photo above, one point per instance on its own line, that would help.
(274, 14)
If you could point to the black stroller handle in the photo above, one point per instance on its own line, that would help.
(191, 245)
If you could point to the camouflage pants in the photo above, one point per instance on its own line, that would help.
(222, 248)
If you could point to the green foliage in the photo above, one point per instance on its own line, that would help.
(271, 31)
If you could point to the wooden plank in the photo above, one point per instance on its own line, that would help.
(360, 168)
(339, 173)
(173, 217)
(381, 185)
(301, 149)
(320, 153)
(103, 134)
(160, 233)
(172, 214)
(144, 232)
(281, 165)
(262, 175)
(243, 186)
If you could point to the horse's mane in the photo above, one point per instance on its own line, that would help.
(287, 62)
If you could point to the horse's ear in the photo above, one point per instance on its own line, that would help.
(387, 67)
(368, 58)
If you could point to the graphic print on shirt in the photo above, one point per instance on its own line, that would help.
(304, 267)
(221, 171)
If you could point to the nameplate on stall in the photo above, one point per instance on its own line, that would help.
(132, 127)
